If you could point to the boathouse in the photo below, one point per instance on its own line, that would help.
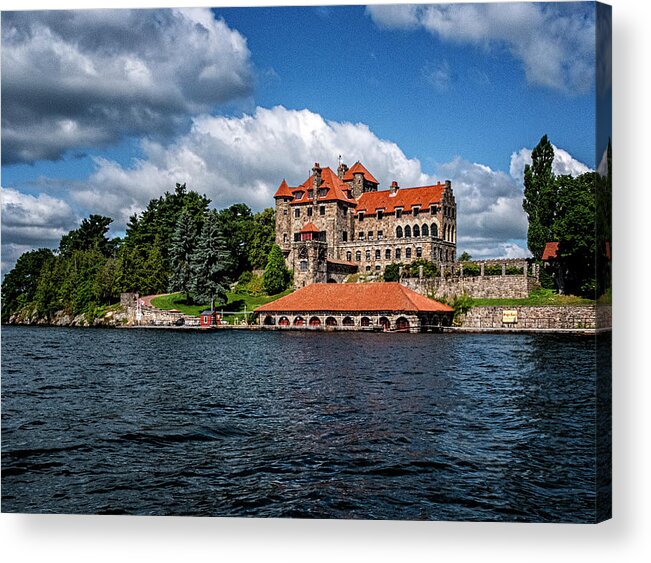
(385, 306)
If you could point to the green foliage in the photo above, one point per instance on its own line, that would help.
(261, 239)
(493, 270)
(538, 297)
(181, 249)
(91, 234)
(540, 197)
(465, 257)
(211, 262)
(461, 305)
(546, 279)
(412, 270)
(471, 270)
(392, 272)
(276, 275)
(514, 271)
(20, 284)
(236, 225)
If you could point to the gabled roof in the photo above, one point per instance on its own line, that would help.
(363, 297)
(406, 198)
(309, 228)
(359, 167)
(283, 190)
(551, 250)
(336, 189)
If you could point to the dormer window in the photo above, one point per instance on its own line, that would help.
(433, 209)
(380, 213)
(298, 195)
(323, 192)
(416, 210)
(310, 194)
(360, 215)
(398, 212)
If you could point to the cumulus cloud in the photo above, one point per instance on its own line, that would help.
(88, 77)
(564, 163)
(556, 44)
(30, 221)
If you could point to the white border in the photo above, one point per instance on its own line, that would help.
(625, 538)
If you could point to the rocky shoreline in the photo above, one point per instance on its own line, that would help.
(61, 318)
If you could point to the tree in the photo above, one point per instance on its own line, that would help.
(276, 274)
(211, 263)
(90, 234)
(540, 196)
(19, 285)
(465, 257)
(392, 273)
(181, 249)
(261, 240)
(236, 224)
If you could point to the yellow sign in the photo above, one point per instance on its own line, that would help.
(510, 316)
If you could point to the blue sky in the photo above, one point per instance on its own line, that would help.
(103, 110)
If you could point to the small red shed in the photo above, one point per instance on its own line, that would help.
(208, 318)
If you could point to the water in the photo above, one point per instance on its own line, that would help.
(289, 424)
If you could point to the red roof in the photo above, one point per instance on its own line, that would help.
(359, 167)
(309, 228)
(406, 198)
(341, 262)
(336, 189)
(551, 249)
(283, 190)
(363, 297)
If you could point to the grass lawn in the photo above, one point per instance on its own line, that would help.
(536, 298)
(236, 302)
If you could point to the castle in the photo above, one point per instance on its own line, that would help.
(334, 225)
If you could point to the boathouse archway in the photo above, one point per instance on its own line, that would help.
(283, 321)
(348, 321)
(315, 321)
(385, 323)
(402, 324)
(299, 321)
(365, 321)
(268, 320)
(331, 321)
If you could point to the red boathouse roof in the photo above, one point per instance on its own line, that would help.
(380, 296)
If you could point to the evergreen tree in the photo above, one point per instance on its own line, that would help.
(211, 263)
(181, 249)
(19, 285)
(276, 275)
(540, 196)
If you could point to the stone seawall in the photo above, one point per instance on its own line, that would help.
(538, 318)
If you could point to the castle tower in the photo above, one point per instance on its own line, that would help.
(283, 218)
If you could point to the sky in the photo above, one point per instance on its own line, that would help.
(103, 110)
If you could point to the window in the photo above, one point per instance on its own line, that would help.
(399, 232)
(297, 212)
(322, 192)
(416, 210)
(435, 230)
(419, 252)
(303, 265)
(349, 256)
(425, 230)
(398, 213)
(345, 211)
(358, 255)
(416, 231)
(368, 255)
(310, 194)
(407, 231)
(297, 237)
(380, 234)
(379, 213)
(408, 252)
(387, 254)
(398, 254)
(378, 254)
(298, 195)
(344, 236)
(360, 215)
(370, 235)
(360, 236)
(285, 211)
(322, 210)
(309, 212)
(368, 268)
(285, 238)
(433, 210)
(377, 267)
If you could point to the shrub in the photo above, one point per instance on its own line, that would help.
(514, 271)
(493, 270)
(430, 270)
(392, 273)
(471, 270)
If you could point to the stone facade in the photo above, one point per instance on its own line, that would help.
(359, 225)
(539, 318)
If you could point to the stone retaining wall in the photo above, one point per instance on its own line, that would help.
(507, 287)
(544, 317)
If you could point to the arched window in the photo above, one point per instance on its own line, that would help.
(425, 230)
(416, 231)
(349, 256)
(358, 255)
(407, 231)
(387, 254)
(398, 253)
(435, 230)
(408, 252)
(399, 232)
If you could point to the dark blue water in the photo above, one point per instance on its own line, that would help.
(288, 424)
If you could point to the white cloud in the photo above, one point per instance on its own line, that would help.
(555, 44)
(88, 77)
(564, 163)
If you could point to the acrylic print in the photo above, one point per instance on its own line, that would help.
(313, 262)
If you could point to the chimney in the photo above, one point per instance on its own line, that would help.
(394, 188)
(316, 171)
(341, 170)
(448, 186)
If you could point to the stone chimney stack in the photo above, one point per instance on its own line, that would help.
(393, 189)
(316, 171)
(341, 170)
(448, 185)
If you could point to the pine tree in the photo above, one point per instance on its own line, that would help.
(276, 275)
(181, 249)
(540, 197)
(211, 263)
